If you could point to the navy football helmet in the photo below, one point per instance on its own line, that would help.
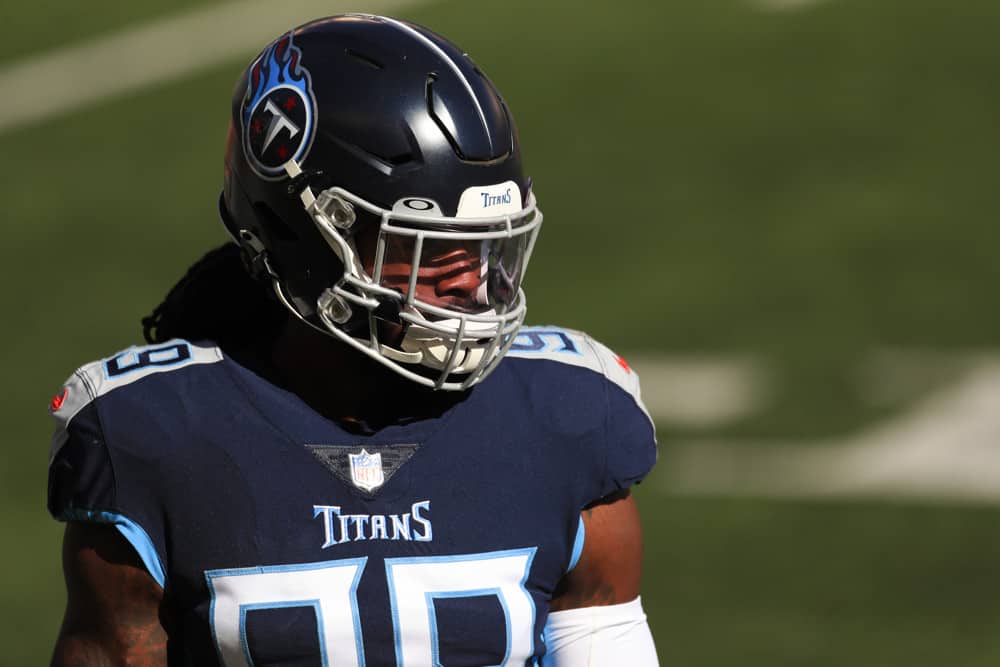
(373, 176)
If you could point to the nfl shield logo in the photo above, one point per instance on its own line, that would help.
(366, 470)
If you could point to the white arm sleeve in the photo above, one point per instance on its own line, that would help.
(608, 636)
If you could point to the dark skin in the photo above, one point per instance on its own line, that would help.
(116, 614)
(113, 607)
(610, 566)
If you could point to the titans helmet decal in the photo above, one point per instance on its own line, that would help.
(279, 110)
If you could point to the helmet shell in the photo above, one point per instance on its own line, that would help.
(394, 111)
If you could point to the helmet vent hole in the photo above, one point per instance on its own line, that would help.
(367, 60)
(443, 119)
(397, 160)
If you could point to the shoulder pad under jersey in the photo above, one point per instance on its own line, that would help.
(93, 380)
(84, 482)
(577, 349)
(630, 433)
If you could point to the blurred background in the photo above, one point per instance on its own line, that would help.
(781, 211)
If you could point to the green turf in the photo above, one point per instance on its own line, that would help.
(770, 583)
(802, 187)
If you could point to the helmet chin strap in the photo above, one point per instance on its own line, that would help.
(438, 352)
(401, 356)
(438, 356)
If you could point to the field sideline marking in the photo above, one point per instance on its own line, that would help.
(72, 77)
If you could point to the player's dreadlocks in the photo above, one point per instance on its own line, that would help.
(217, 300)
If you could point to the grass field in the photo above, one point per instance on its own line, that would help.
(802, 187)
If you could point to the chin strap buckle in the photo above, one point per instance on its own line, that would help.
(255, 255)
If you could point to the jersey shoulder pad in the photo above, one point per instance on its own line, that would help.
(576, 348)
(627, 446)
(98, 378)
(93, 480)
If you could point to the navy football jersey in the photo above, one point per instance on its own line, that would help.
(282, 539)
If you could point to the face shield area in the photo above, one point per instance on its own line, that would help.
(427, 269)
(441, 294)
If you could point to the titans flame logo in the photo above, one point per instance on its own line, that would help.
(279, 110)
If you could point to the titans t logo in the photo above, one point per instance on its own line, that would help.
(279, 110)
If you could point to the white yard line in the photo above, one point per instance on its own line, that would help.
(700, 392)
(73, 77)
(947, 447)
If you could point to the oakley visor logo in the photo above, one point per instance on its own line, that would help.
(417, 205)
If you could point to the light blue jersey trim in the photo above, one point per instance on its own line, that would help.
(131, 531)
(317, 610)
(577, 547)
(468, 593)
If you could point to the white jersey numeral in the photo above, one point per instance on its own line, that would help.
(414, 583)
(329, 588)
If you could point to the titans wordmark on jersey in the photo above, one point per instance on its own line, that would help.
(280, 538)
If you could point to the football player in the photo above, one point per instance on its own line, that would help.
(340, 447)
